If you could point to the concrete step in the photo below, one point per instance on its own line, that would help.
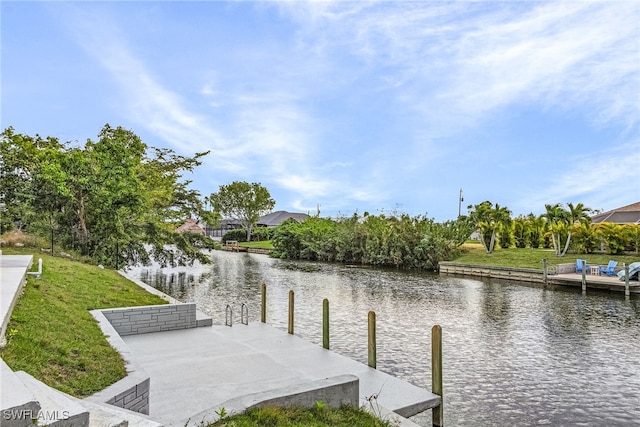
(17, 403)
(74, 412)
(104, 415)
(57, 409)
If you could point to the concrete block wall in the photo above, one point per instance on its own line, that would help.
(333, 392)
(131, 392)
(151, 318)
(134, 399)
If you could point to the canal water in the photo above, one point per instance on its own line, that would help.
(513, 355)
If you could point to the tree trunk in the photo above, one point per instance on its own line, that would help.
(484, 243)
(555, 245)
(84, 232)
(566, 245)
(493, 241)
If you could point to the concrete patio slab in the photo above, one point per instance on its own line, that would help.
(197, 369)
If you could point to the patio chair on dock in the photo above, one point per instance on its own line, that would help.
(579, 265)
(610, 269)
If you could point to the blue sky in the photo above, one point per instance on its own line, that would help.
(350, 106)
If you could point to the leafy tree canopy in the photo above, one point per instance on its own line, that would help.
(115, 200)
(243, 202)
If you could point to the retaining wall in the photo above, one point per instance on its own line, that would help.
(531, 275)
(131, 392)
(151, 318)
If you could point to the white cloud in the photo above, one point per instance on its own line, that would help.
(440, 68)
(465, 60)
(606, 179)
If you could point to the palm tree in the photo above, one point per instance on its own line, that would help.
(488, 221)
(578, 214)
(561, 222)
(555, 216)
(537, 229)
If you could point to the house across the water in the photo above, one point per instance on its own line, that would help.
(629, 214)
(273, 219)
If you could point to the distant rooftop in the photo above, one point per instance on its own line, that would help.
(276, 218)
(629, 214)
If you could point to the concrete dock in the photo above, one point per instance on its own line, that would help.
(197, 369)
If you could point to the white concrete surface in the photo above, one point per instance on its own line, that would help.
(197, 369)
(334, 392)
(17, 402)
(57, 409)
(13, 271)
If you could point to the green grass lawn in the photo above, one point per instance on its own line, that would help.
(52, 335)
(474, 253)
(297, 417)
(265, 244)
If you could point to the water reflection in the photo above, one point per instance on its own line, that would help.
(513, 355)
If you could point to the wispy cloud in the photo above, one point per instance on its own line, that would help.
(299, 113)
(598, 179)
(264, 130)
(469, 59)
(148, 103)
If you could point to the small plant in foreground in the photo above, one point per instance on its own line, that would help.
(221, 412)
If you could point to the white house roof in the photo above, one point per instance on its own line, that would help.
(276, 218)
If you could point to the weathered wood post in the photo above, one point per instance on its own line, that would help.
(263, 309)
(626, 281)
(291, 312)
(544, 271)
(436, 374)
(372, 339)
(325, 323)
(584, 276)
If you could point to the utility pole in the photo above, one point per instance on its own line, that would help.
(460, 200)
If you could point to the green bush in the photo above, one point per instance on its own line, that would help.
(238, 234)
(398, 241)
(260, 234)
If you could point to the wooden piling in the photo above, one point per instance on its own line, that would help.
(372, 339)
(325, 323)
(436, 374)
(544, 272)
(626, 281)
(291, 312)
(584, 276)
(263, 309)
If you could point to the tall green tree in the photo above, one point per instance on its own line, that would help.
(561, 221)
(490, 220)
(108, 199)
(522, 231)
(537, 230)
(243, 202)
(556, 218)
(20, 157)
